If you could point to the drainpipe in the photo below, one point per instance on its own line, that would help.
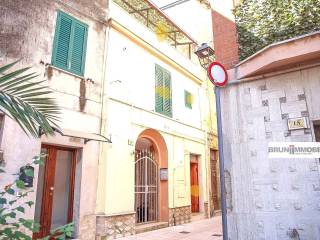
(207, 174)
(103, 125)
(207, 151)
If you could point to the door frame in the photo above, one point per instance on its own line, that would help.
(47, 196)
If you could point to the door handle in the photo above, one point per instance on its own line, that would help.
(51, 191)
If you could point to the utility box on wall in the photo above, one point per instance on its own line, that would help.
(163, 174)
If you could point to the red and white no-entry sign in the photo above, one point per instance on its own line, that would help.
(217, 74)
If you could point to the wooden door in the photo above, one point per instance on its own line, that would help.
(214, 179)
(194, 181)
(55, 193)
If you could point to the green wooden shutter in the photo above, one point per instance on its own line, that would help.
(62, 42)
(163, 94)
(78, 48)
(167, 102)
(158, 89)
(70, 44)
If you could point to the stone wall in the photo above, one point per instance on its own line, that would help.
(111, 227)
(87, 227)
(268, 198)
(179, 215)
(206, 209)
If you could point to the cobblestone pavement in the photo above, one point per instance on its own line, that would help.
(207, 229)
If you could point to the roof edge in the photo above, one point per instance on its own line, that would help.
(276, 44)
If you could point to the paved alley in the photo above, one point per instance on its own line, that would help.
(207, 229)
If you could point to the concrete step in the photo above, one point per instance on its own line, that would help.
(150, 226)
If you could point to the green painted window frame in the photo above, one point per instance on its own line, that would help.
(187, 104)
(74, 21)
(163, 88)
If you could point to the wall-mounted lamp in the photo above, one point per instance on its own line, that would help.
(205, 54)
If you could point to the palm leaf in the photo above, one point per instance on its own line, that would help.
(27, 102)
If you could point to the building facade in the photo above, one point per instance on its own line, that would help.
(272, 198)
(156, 171)
(64, 42)
(136, 131)
(268, 198)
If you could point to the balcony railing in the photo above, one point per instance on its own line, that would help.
(157, 21)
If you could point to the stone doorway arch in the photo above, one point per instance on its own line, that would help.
(151, 156)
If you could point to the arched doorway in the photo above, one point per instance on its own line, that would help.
(146, 182)
(150, 192)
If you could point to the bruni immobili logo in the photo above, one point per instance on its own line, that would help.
(294, 149)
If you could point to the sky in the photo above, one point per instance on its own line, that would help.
(197, 26)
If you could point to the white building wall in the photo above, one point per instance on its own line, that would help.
(269, 197)
(131, 109)
(131, 78)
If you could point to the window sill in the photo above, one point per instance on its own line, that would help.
(163, 114)
(64, 71)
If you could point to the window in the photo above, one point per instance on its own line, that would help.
(188, 98)
(69, 47)
(163, 91)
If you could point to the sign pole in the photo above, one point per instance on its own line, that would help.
(221, 162)
(219, 77)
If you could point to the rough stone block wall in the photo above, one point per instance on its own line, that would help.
(206, 209)
(112, 227)
(179, 215)
(87, 227)
(270, 198)
(211, 205)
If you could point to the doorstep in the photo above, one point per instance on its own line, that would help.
(150, 226)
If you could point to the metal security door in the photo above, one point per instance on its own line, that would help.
(146, 187)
